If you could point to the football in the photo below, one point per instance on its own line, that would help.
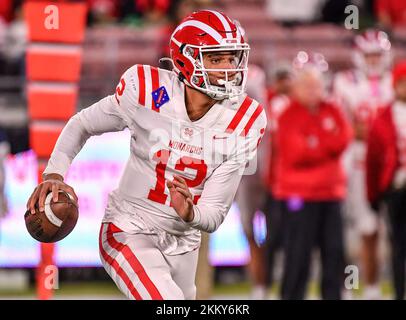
(56, 221)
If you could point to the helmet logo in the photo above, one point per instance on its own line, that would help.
(195, 80)
(190, 51)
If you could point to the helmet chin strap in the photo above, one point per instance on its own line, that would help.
(228, 86)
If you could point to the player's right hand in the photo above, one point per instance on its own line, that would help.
(53, 183)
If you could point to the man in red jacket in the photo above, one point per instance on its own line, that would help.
(386, 172)
(312, 134)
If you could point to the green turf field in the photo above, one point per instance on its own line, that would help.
(107, 290)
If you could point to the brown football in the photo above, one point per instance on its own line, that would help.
(56, 222)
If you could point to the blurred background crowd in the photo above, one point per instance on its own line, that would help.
(324, 87)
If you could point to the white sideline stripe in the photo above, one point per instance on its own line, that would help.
(47, 125)
(52, 87)
(54, 48)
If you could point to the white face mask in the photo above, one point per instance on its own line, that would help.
(360, 63)
(224, 89)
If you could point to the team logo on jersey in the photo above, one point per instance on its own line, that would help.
(328, 124)
(186, 133)
(160, 96)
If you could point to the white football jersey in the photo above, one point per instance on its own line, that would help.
(210, 153)
(361, 96)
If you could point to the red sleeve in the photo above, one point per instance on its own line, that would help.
(270, 93)
(6, 10)
(162, 5)
(373, 164)
(336, 141)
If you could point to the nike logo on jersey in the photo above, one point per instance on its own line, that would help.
(216, 137)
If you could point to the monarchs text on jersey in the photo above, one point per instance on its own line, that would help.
(210, 153)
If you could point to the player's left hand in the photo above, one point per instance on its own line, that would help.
(181, 198)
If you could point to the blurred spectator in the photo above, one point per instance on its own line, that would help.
(278, 99)
(135, 12)
(386, 173)
(312, 134)
(3, 31)
(103, 11)
(151, 11)
(6, 10)
(251, 196)
(391, 13)
(281, 78)
(367, 16)
(293, 11)
(4, 150)
(177, 11)
(361, 91)
(15, 45)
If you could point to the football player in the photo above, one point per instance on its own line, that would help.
(362, 91)
(193, 130)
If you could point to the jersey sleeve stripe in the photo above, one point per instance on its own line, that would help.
(251, 121)
(155, 85)
(239, 115)
(141, 84)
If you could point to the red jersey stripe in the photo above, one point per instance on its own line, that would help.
(239, 115)
(251, 121)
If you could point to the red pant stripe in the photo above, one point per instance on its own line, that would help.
(113, 263)
(135, 265)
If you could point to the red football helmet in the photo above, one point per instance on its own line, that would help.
(372, 43)
(209, 31)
